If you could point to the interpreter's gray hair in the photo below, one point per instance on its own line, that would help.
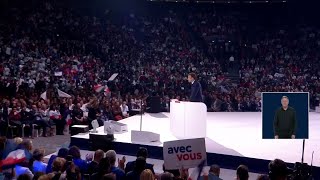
(285, 97)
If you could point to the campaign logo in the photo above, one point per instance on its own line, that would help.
(184, 153)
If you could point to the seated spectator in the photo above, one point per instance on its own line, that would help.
(278, 170)
(27, 119)
(93, 167)
(76, 156)
(38, 164)
(124, 109)
(77, 115)
(140, 165)
(56, 117)
(103, 169)
(40, 119)
(15, 117)
(142, 152)
(242, 173)
(116, 111)
(147, 174)
(112, 156)
(214, 173)
(62, 153)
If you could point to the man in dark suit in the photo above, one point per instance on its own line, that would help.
(196, 89)
(142, 152)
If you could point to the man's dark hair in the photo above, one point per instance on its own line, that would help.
(142, 152)
(243, 172)
(38, 154)
(215, 169)
(74, 151)
(277, 169)
(193, 75)
(63, 152)
(140, 164)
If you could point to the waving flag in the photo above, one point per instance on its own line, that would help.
(63, 94)
(13, 158)
(98, 88)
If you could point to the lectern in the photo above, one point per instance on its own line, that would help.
(188, 119)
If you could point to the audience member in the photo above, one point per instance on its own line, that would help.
(38, 164)
(242, 173)
(147, 174)
(112, 156)
(93, 167)
(142, 152)
(139, 166)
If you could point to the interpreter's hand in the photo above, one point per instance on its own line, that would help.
(293, 136)
(276, 137)
(121, 163)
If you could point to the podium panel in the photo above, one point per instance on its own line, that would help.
(188, 119)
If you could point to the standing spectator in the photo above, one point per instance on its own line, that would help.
(93, 167)
(140, 165)
(62, 153)
(38, 164)
(242, 173)
(147, 175)
(103, 169)
(214, 173)
(142, 152)
(112, 156)
(76, 156)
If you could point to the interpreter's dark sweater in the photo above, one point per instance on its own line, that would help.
(285, 122)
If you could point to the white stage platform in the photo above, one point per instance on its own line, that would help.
(232, 133)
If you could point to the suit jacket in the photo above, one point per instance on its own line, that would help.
(130, 166)
(196, 92)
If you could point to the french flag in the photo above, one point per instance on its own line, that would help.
(98, 88)
(13, 158)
